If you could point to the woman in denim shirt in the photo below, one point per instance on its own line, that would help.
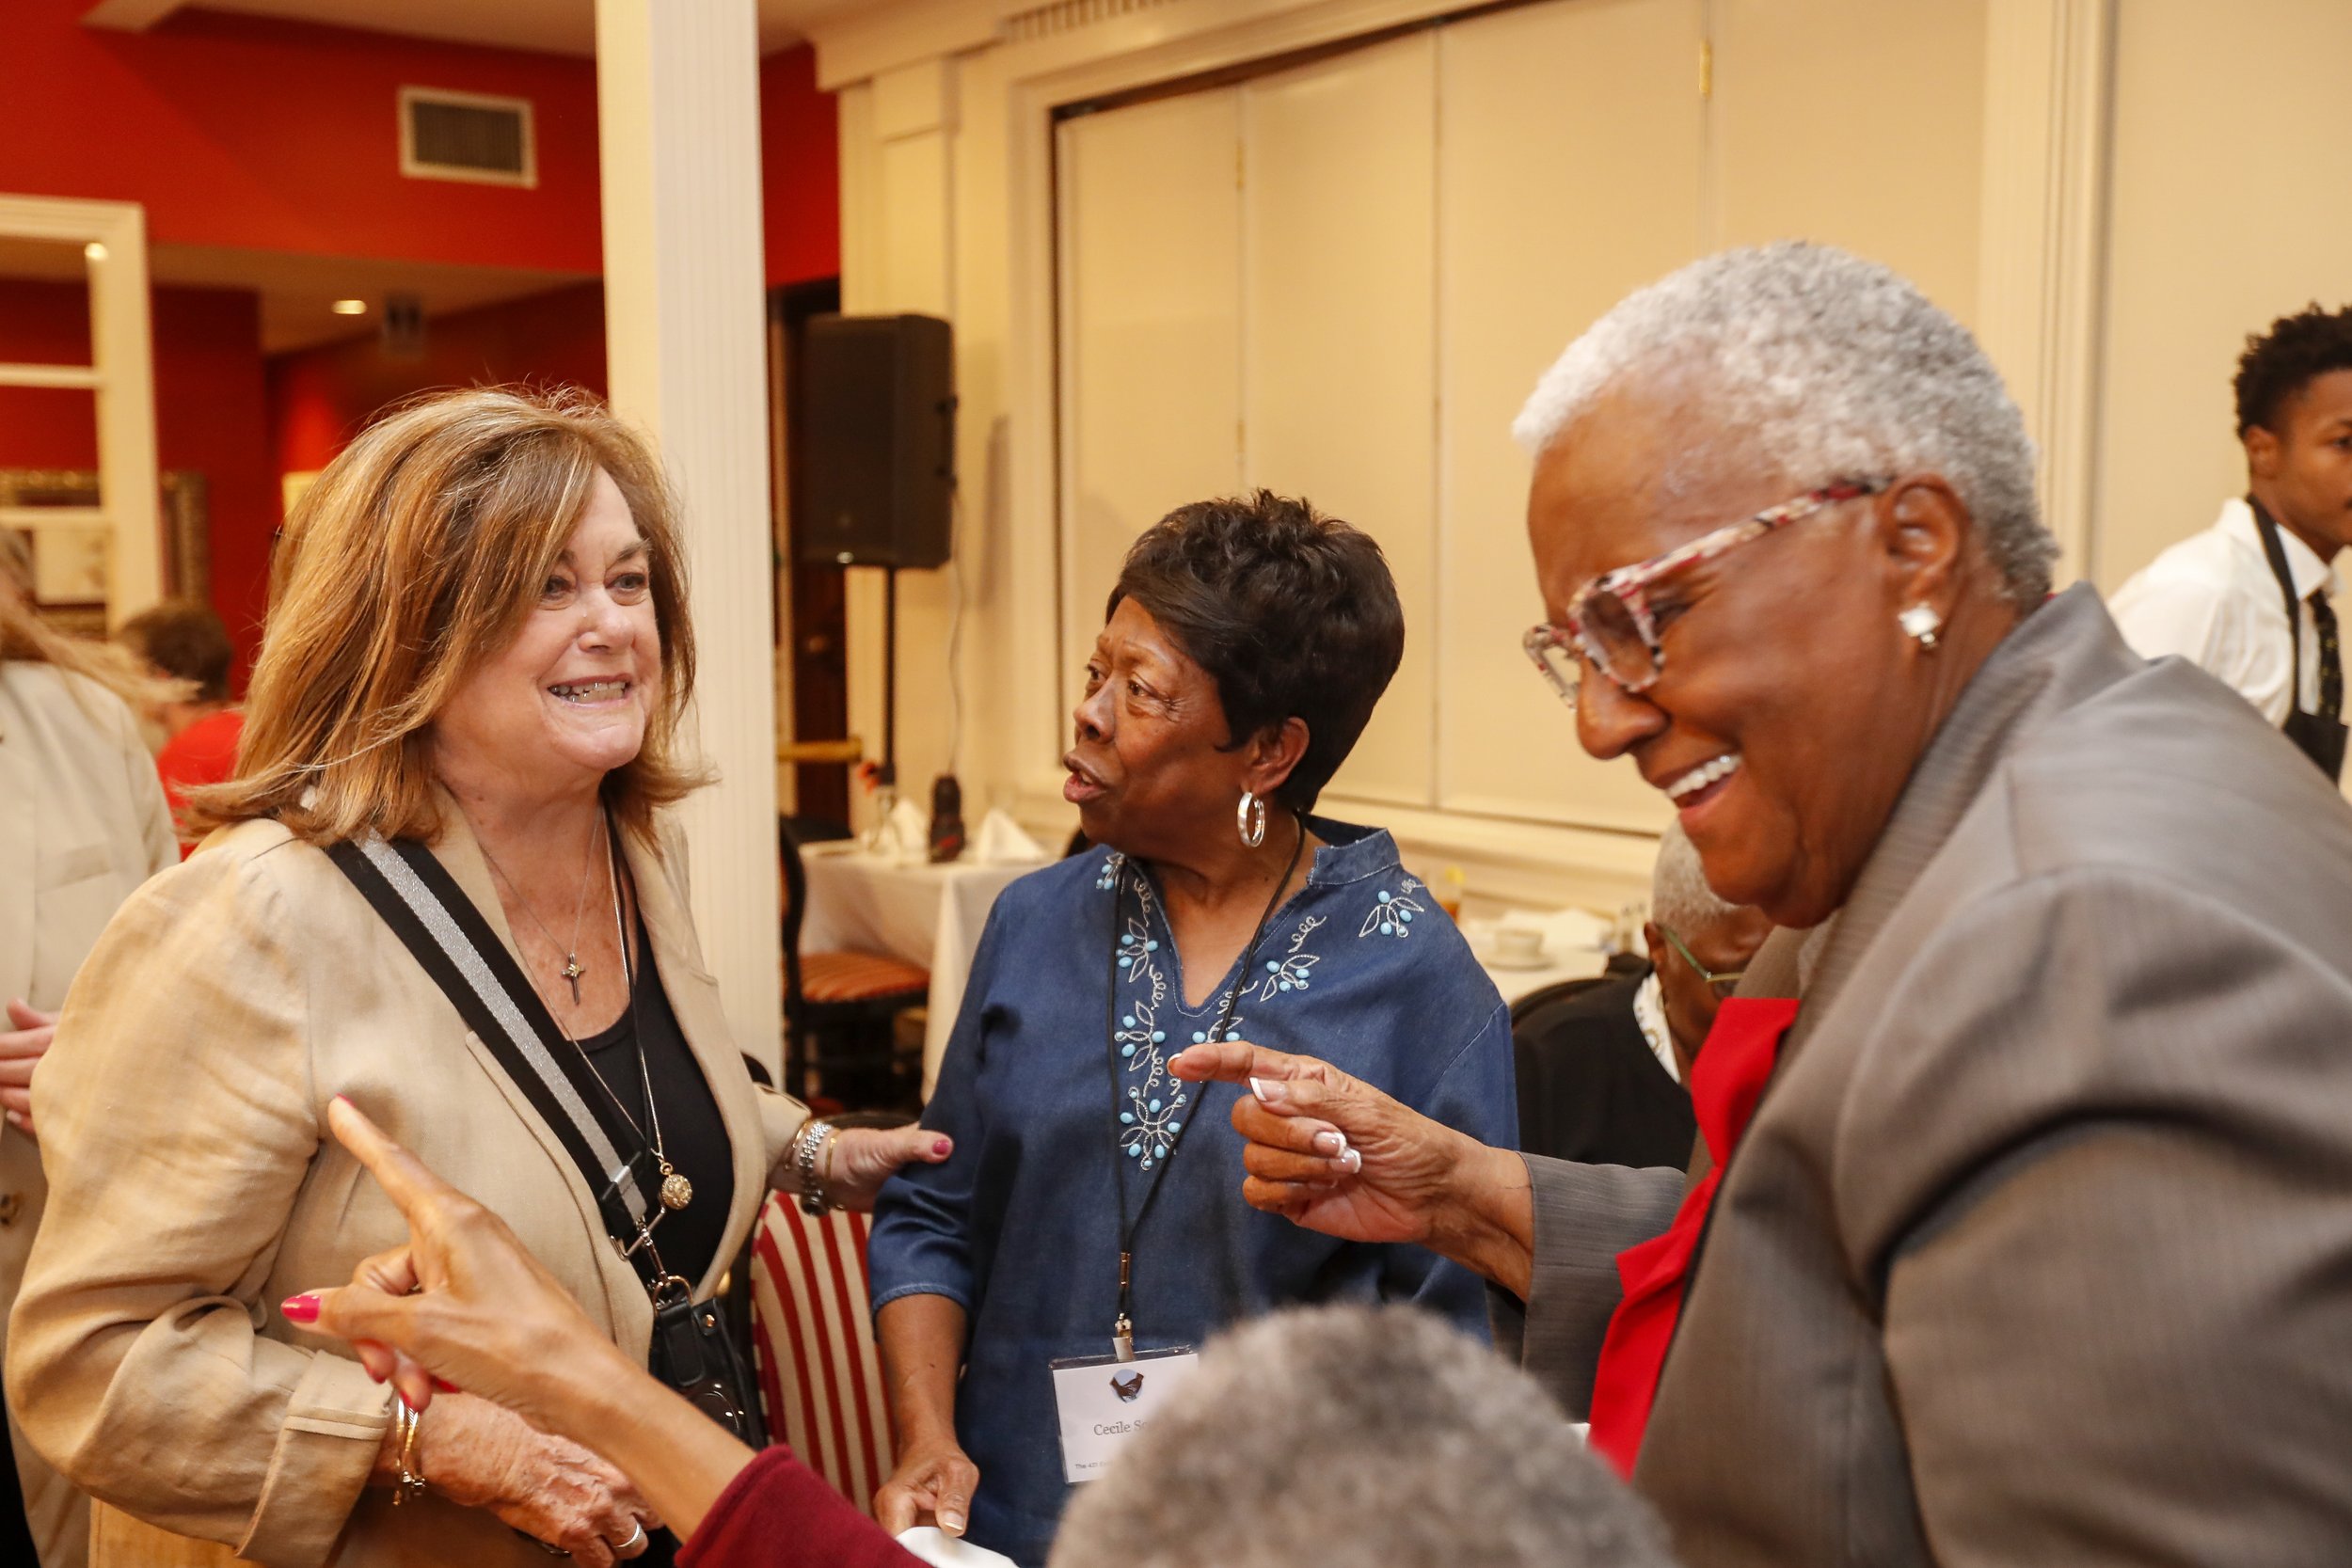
(1246, 644)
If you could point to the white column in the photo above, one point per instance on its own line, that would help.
(2048, 66)
(677, 90)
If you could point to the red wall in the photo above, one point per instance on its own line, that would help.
(799, 168)
(276, 136)
(46, 323)
(212, 416)
(321, 397)
(263, 135)
(237, 131)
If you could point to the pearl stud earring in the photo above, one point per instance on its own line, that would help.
(1921, 621)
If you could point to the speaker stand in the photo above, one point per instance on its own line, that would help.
(889, 776)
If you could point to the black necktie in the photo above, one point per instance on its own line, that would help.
(2331, 662)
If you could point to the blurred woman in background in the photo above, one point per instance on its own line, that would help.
(187, 643)
(84, 823)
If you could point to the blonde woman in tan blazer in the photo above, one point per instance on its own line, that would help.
(479, 644)
(84, 823)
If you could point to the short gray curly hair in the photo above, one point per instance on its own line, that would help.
(1357, 1434)
(1839, 368)
(1679, 898)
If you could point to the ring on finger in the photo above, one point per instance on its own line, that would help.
(636, 1538)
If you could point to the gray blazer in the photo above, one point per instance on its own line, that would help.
(2039, 1247)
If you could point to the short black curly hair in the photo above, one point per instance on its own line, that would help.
(2297, 351)
(1291, 612)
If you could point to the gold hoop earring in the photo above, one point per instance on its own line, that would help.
(1250, 820)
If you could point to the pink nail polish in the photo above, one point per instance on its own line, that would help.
(300, 1309)
(941, 1147)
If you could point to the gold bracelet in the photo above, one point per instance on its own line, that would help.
(408, 1481)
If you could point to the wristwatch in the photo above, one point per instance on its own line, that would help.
(816, 1134)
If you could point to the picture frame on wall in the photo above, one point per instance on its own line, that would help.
(65, 561)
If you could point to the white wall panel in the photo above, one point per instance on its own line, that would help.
(1857, 123)
(1150, 332)
(2228, 211)
(1569, 174)
(1339, 330)
(1422, 226)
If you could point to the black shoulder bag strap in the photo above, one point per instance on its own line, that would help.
(426, 908)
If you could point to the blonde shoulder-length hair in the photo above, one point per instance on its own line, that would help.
(415, 556)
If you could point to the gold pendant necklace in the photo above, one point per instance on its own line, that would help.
(676, 1192)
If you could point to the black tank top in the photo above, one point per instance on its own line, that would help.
(692, 1136)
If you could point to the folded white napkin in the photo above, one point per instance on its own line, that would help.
(1001, 842)
(929, 1543)
(1565, 931)
(905, 832)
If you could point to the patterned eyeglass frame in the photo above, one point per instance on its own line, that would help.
(1630, 586)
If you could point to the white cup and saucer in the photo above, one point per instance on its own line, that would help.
(1517, 947)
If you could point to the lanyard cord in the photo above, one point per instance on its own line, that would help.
(1123, 1339)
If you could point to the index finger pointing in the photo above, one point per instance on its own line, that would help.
(1238, 1061)
(412, 1186)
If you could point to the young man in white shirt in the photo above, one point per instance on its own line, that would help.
(2225, 598)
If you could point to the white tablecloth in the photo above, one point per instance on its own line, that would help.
(1560, 963)
(927, 914)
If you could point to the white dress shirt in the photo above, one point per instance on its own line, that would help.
(2212, 600)
(1649, 1014)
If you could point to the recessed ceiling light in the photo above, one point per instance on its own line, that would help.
(95, 251)
(349, 308)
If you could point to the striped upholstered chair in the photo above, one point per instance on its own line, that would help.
(840, 1010)
(813, 1338)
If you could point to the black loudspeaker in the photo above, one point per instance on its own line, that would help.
(878, 474)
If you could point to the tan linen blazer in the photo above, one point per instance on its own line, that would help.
(2037, 1247)
(195, 1185)
(83, 821)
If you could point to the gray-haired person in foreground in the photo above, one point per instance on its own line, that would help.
(2036, 1246)
(1360, 1435)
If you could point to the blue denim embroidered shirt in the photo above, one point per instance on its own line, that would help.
(1021, 1227)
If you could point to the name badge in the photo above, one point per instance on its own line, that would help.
(1104, 1401)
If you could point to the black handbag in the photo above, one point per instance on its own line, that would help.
(692, 1351)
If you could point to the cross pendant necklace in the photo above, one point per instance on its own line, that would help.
(573, 969)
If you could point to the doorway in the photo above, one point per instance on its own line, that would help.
(816, 662)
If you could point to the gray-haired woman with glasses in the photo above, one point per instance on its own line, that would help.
(2028, 1237)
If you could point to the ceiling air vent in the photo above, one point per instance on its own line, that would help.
(465, 135)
